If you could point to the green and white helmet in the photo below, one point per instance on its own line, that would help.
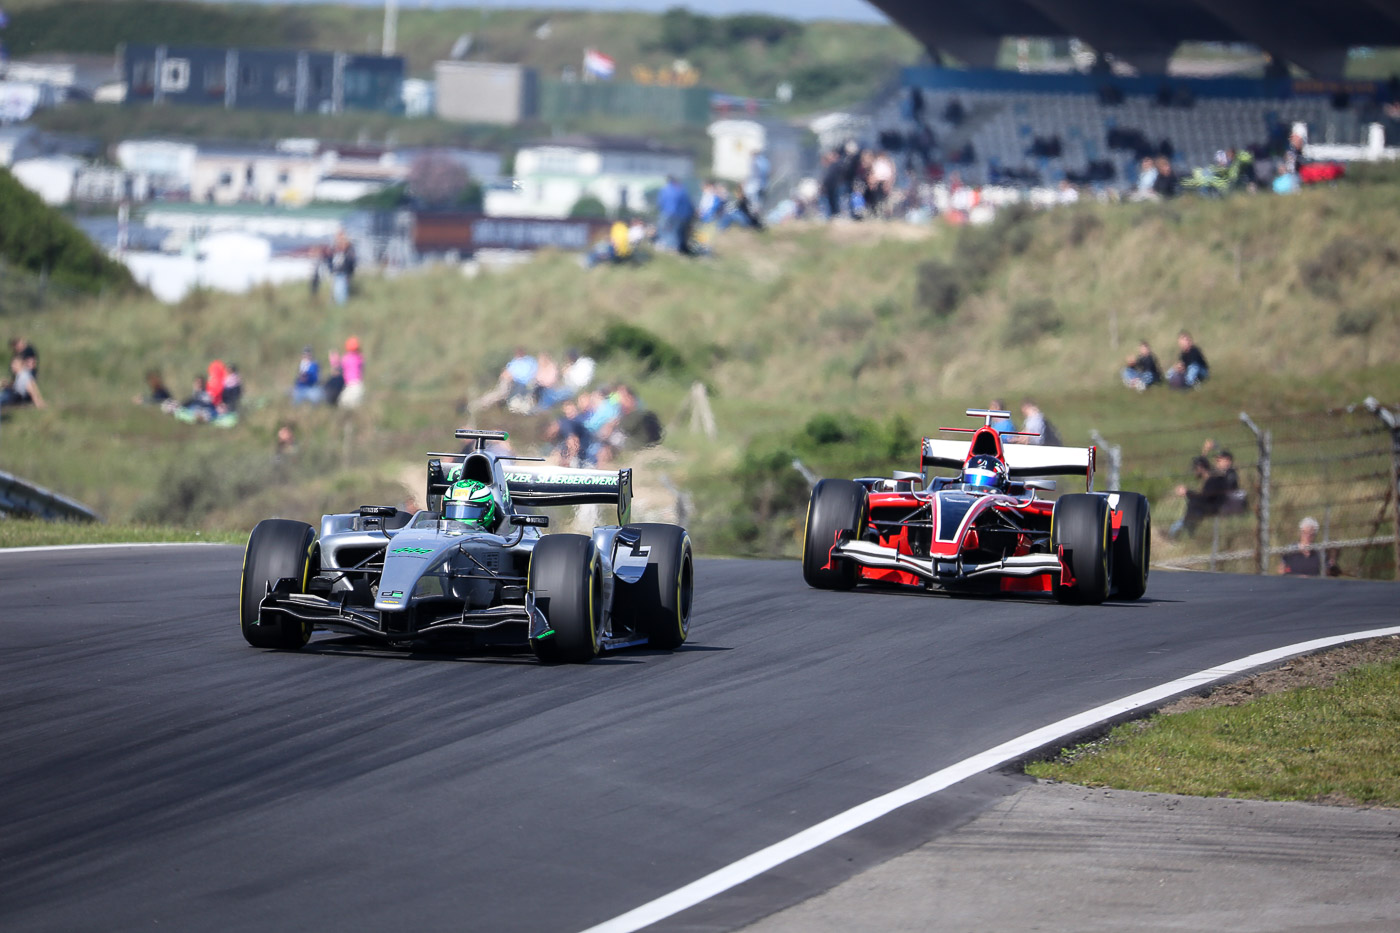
(471, 502)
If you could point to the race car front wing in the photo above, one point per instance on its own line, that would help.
(944, 569)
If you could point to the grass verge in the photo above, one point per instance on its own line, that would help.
(23, 533)
(1335, 740)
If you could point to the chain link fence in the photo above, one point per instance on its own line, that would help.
(1339, 467)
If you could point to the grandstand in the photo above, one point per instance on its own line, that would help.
(1095, 126)
(1091, 137)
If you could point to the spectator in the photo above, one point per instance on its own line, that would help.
(341, 263)
(1202, 503)
(674, 215)
(1305, 560)
(199, 405)
(711, 202)
(22, 348)
(1190, 369)
(516, 379)
(306, 388)
(832, 169)
(1236, 499)
(1035, 427)
(214, 382)
(1002, 425)
(570, 438)
(352, 368)
(286, 442)
(23, 386)
(1142, 370)
(1147, 180)
(1166, 185)
(879, 184)
(756, 187)
(233, 389)
(156, 391)
(335, 382)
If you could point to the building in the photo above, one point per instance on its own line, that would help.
(736, 142)
(234, 174)
(167, 163)
(551, 176)
(485, 92)
(19, 142)
(300, 81)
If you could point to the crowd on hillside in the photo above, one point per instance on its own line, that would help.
(589, 422)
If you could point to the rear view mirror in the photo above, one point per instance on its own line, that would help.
(906, 475)
(530, 521)
(1048, 485)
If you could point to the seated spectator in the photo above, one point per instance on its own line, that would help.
(712, 200)
(352, 368)
(1166, 185)
(1190, 369)
(570, 438)
(286, 442)
(335, 382)
(1035, 427)
(1002, 425)
(199, 406)
(516, 379)
(1142, 370)
(22, 348)
(1200, 503)
(156, 391)
(306, 388)
(23, 386)
(1305, 560)
(546, 378)
(1236, 499)
(214, 382)
(615, 248)
(233, 389)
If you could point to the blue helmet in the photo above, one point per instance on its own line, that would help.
(985, 471)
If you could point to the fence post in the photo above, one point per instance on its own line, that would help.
(1265, 440)
(1392, 422)
(1115, 459)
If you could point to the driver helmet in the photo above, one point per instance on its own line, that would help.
(985, 472)
(471, 502)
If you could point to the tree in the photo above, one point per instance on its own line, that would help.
(436, 179)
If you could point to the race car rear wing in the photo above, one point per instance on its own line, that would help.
(1023, 461)
(551, 485)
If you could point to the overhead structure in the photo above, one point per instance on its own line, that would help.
(1315, 35)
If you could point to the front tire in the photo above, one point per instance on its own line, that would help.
(1081, 526)
(1132, 551)
(566, 577)
(278, 549)
(658, 605)
(836, 506)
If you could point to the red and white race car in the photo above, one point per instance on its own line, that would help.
(984, 530)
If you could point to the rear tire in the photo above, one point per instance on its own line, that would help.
(1081, 525)
(658, 605)
(1132, 552)
(836, 505)
(277, 549)
(566, 578)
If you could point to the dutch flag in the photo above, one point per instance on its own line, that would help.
(598, 65)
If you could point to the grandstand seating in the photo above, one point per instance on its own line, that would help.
(1002, 126)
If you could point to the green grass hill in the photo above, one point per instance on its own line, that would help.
(840, 345)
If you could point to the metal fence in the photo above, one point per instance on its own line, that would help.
(1339, 467)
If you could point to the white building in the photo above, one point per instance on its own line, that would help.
(230, 175)
(167, 163)
(19, 142)
(551, 177)
(52, 178)
(736, 142)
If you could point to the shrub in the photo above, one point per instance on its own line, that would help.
(1340, 260)
(1029, 320)
(1354, 322)
(654, 353)
(938, 288)
(38, 239)
(589, 208)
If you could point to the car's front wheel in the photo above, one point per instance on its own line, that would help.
(837, 506)
(658, 605)
(278, 549)
(1080, 525)
(566, 579)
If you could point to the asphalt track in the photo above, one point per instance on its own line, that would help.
(156, 772)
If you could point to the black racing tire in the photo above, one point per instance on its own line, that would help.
(658, 605)
(836, 505)
(1132, 551)
(1082, 526)
(566, 578)
(277, 549)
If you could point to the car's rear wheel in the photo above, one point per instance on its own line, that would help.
(1080, 525)
(1132, 551)
(836, 506)
(278, 549)
(658, 605)
(566, 579)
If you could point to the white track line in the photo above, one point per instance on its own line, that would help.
(756, 864)
(80, 547)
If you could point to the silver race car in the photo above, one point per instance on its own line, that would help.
(475, 567)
